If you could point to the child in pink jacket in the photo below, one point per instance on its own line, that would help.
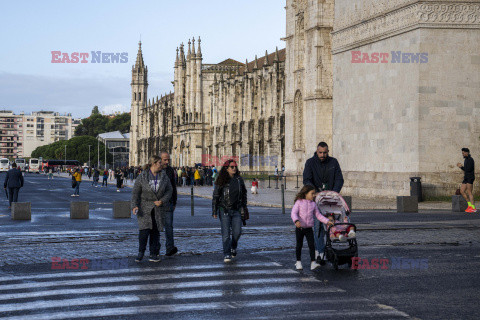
(303, 213)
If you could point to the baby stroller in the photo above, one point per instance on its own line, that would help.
(340, 250)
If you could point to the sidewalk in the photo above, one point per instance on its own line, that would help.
(271, 197)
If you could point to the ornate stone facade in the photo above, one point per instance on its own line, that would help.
(405, 118)
(308, 91)
(385, 122)
(229, 109)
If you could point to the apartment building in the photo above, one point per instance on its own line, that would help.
(11, 134)
(23, 133)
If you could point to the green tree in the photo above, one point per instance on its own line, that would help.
(77, 149)
(97, 123)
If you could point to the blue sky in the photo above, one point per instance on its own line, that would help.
(30, 30)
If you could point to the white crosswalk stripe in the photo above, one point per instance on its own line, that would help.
(180, 290)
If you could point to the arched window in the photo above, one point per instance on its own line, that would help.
(134, 96)
(139, 96)
(298, 121)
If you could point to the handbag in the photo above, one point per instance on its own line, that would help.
(74, 182)
(245, 215)
(457, 192)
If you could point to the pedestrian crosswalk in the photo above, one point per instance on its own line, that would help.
(241, 290)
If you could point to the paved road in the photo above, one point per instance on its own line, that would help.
(260, 284)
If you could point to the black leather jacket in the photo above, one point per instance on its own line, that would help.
(221, 197)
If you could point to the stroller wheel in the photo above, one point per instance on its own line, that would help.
(335, 263)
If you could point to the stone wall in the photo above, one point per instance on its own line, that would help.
(405, 117)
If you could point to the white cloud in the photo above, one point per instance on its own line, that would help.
(114, 108)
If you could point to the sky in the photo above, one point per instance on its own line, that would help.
(31, 30)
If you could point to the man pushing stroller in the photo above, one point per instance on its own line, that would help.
(324, 173)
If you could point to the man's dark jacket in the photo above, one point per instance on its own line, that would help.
(14, 179)
(171, 177)
(469, 168)
(317, 172)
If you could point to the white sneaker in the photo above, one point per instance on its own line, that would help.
(314, 265)
(351, 234)
(118, 190)
(317, 254)
(341, 238)
(72, 195)
(298, 265)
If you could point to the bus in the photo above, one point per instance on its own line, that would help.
(20, 164)
(53, 163)
(4, 164)
(33, 165)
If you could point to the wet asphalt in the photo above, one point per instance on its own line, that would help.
(430, 270)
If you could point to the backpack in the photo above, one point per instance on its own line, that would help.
(74, 181)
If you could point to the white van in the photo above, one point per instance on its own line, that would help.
(20, 164)
(33, 165)
(4, 164)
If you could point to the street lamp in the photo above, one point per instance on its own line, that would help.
(98, 154)
(89, 155)
(113, 161)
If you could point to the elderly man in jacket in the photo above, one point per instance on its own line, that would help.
(324, 173)
(169, 241)
(13, 181)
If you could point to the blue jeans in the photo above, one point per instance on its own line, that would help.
(169, 243)
(319, 240)
(77, 188)
(231, 222)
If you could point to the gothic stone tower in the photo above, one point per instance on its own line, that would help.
(308, 89)
(190, 115)
(139, 99)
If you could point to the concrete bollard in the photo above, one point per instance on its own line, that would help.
(121, 209)
(21, 211)
(79, 210)
(348, 200)
(407, 204)
(459, 204)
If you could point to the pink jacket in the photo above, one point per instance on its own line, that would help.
(303, 211)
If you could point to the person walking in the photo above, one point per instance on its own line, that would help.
(303, 213)
(96, 177)
(169, 242)
(214, 175)
(78, 179)
(105, 178)
(150, 199)
(229, 202)
(469, 177)
(13, 181)
(322, 172)
(119, 177)
(179, 174)
(197, 177)
(184, 177)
